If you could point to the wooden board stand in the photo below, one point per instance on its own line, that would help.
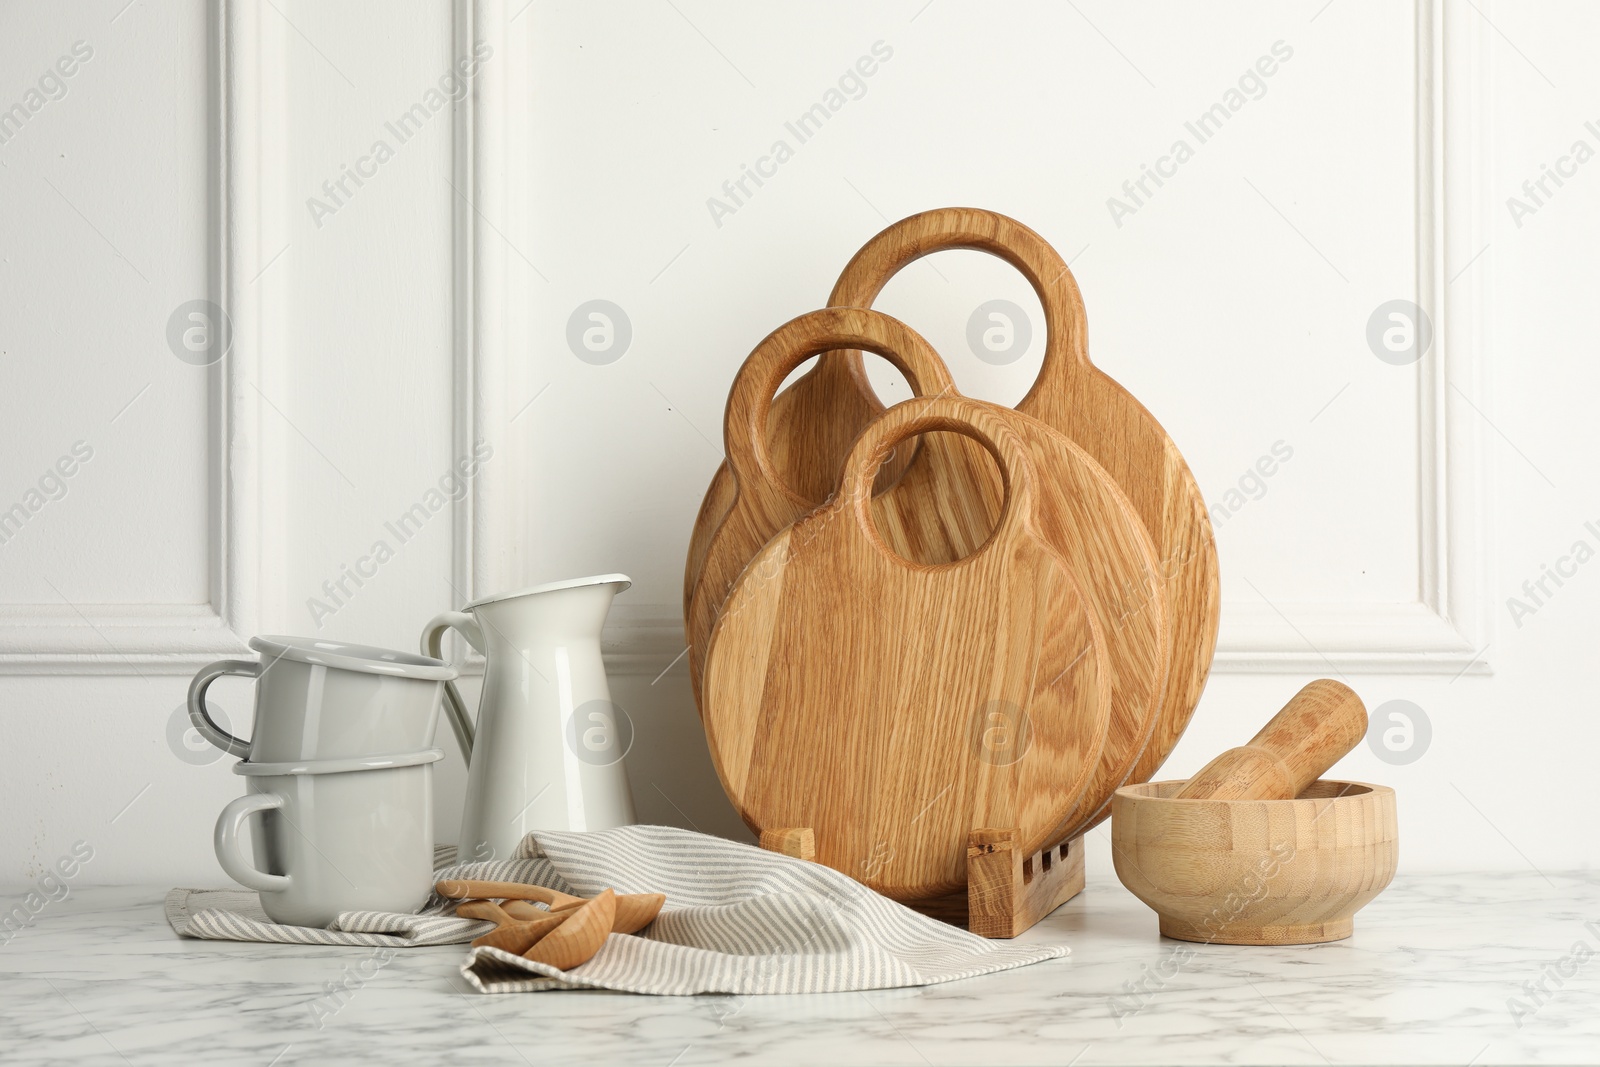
(1007, 892)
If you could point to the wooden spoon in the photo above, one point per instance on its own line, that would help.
(581, 933)
(634, 911)
(458, 888)
(483, 909)
(518, 937)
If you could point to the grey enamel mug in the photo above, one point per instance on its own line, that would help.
(320, 700)
(333, 836)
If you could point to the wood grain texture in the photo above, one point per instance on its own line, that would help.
(518, 937)
(1009, 889)
(796, 841)
(579, 936)
(1084, 516)
(460, 888)
(1311, 733)
(635, 911)
(1007, 892)
(1074, 396)
(631, 911)
(848, 690)
(808, 432)
(942, 508)
(947, 510)
(483, 909)
(1256, 872)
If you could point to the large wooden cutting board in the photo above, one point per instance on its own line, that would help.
(856, 693)
(1077, 398)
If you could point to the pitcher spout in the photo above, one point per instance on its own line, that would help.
(570, 610)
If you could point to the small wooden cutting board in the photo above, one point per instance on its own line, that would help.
(856, 693)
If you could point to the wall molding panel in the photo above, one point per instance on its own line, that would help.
(246, 222)
(1446, 630)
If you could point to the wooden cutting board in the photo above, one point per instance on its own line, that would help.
(810, 428)
(1077, 398)
(813, 421)
(856, 693)
(1082, 515)
(952, 472)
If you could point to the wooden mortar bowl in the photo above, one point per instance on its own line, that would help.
(1256, 872)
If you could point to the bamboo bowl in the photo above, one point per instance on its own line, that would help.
(1256, 872)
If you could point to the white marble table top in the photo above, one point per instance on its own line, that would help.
(1433, 975)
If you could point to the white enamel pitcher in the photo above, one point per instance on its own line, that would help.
(547, 750)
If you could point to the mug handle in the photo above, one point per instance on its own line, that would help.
(433, 645)
(197, 703)
(230, 853)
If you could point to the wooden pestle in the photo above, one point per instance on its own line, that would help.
(1314, 730)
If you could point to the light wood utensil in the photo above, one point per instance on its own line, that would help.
(484, 909)
(459, 889)
(580, 935)
(1256, 872)
(513, 932)
(1311, 733)
(634, 911)
(1254, 850)
(1077, 398)
(524, 911)
(848, 690)
(518, 937)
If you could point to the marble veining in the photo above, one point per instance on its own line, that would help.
(1433, 975)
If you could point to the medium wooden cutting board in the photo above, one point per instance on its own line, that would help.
(947, 510)
(810, 429)
(856, 693)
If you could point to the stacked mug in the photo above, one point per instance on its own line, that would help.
(338, 772)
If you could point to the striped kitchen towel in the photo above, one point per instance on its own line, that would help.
(236, 915)
(738, 919)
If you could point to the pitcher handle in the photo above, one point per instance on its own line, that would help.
(433, 645)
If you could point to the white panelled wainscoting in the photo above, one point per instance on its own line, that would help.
(488, 268)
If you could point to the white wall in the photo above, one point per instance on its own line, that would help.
(1234, 302)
